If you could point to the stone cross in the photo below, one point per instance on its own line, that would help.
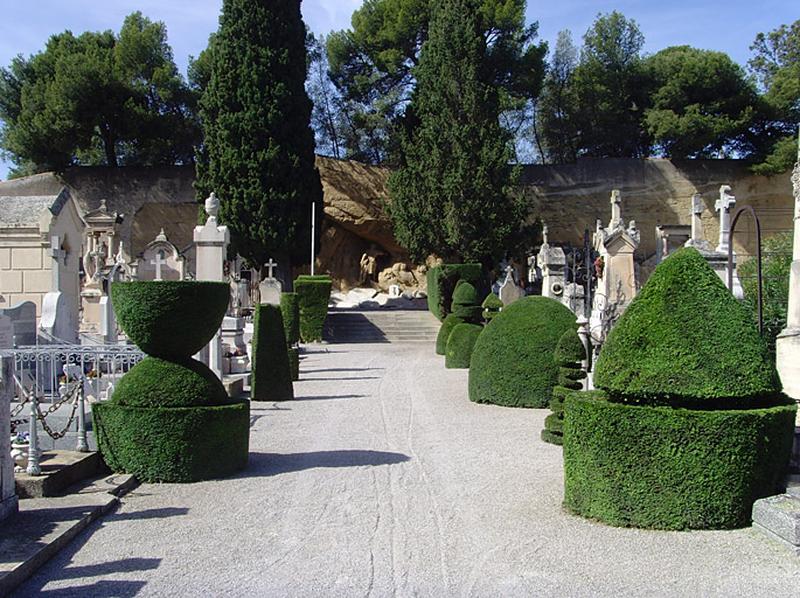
(724, 205)
(616, 209)
(697, 217)
(58, 254)
(271, 265)
(158, 261)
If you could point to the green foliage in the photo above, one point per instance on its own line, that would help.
(491, 306)
(272, 374)
(450, 322)
(665, 468)
(313, 295)
(294, 362)
(173, 444)
(98, 99)
(258, 153)
(685, 340)
(451, 194)
(568, 356)
(170, 319)
(373, 64)
(155, 382)
(466, 304)
(290, 310)
(558, 105)
(512, 362)
(442, 281)
(701, 100)
(460, 344)
(777, 263)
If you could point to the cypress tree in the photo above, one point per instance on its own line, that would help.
(258, 151)
(450, 195)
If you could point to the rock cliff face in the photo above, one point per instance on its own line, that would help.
(568, 198)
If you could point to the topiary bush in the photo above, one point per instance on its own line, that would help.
(512, 361)
(690, 406)
(666, 468)
(442, 280)
(460, 345)
(169, 419)
(290, 310)
(271, 377)
(464, 309)
(568, 356)
(313, 295)
(170, 318)
(294, 362)
(491, 306)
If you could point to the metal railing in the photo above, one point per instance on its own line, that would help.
(46, 379)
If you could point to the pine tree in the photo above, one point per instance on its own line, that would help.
(258, 152)
(450, 194)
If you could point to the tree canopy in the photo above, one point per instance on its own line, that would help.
(98, 99)
(258, 151)
(450, 194)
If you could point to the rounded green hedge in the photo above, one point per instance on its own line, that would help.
(667, 468)
(460, 344)
(170, 318)
(271, 376)
(685, 340)
(512, 362)
(491, 306)
(450, 322)
(442, 280)
(173, 444)
(313, 295)
(290, 309)
(155, 382)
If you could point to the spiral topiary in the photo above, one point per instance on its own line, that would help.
(512, 362)
(464, 309)
(492, 306)
(170, 419)
(568, 356)
(690, 405)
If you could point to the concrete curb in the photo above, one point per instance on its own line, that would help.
(40, 529)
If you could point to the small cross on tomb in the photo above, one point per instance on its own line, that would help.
(271, 265)
(158, 262)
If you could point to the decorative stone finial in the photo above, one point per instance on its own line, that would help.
(212, 206)
(162, 236)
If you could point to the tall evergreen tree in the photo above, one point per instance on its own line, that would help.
(450, 194)
(258, 151)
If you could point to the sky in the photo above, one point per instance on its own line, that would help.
(729, 26)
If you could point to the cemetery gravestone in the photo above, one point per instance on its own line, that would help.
(271, 288)
(510, 291)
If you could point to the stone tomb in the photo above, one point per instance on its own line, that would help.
(161, 260)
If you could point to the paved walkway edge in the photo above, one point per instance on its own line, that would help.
(23, 570)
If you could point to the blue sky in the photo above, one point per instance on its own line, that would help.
(712, 24)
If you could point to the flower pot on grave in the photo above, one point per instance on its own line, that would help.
(19, 455)
(169, 418)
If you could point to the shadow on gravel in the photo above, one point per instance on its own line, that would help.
(149, 514)
(98, 589)
(342, 370)
(329, 397)
(268, 464)
(305, 379)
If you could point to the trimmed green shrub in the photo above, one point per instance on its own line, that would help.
(491, 306)
(290, 310)
(155, 382)
(173, 444)
(667, 468)
(465, 302)
(450, 322)
(512, 362)
(170, 318)
(313, 295)
(271, 377)
(442, 281)
(568, 356)
(460, 344)
(294, 362)
(685, 340)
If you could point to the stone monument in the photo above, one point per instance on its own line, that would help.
(212, 241)
(8, 497)
(510, 290)
(788, 343)
(271, 288)
(552, 261)
(59, 306)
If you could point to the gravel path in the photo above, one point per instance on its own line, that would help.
(382, 479)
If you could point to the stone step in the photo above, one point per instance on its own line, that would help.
(779, 517)
(381, 327)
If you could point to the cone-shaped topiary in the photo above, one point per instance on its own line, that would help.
(512, 362)
(685, 340)
(272, 375)
(691, 409)
(170, 419)
(491, 306)
(460, 344)
(290, 310)
(568, 356)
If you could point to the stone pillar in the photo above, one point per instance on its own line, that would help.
(724, 206)
(788, 343)
(8, 497)
(211, 242)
